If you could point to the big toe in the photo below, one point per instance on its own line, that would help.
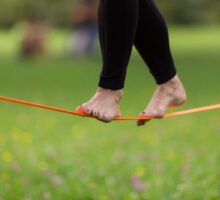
(141, 122)
(143, 118)
(80, 110)
(87, 109)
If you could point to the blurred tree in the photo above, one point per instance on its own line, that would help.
(191, 11)
(212, 10)
(184, 11)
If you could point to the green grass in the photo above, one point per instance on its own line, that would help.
(47, 155)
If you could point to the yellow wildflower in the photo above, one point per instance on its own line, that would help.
(26, 138)
(7, 156)
(104, 197)
(16, 135)
(140, 171)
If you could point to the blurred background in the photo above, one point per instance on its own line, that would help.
(49, 53)
(69, 27)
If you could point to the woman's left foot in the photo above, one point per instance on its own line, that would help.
(104, 105)
(169, 94)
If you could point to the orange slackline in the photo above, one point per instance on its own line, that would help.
(184, 112)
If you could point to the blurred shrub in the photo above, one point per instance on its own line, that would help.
(191, 11)
(56, 11)
(183, 12)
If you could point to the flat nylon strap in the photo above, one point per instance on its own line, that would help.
(184, 112)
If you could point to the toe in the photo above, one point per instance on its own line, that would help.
(143, 118)
(95, 113)
(80, 110)
(159, 115)
(84, 106)
(103, 118)
(106, 117)
(88, 108)
(141, 122)
(88, 111)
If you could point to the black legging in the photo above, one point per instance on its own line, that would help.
(123, 23)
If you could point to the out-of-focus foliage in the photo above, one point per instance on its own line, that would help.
(56, 11)
(191, 11)
(183, 12)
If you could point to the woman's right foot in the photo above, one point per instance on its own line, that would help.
(104, 105)
(169, 94)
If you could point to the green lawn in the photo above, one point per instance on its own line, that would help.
(47, 155)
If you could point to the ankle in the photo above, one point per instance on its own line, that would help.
(172, 84)
(117, 94)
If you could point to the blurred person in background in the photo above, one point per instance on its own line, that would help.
(34, 37)
(83, 17)
(122, 24)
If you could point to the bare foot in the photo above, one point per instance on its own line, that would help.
(104, 105)
(169, 94)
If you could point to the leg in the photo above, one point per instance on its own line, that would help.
(117, 22)
(117, 26)
(152, 42)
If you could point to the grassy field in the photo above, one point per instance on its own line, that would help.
(47, 155)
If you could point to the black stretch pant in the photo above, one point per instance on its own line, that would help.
(124, 23)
